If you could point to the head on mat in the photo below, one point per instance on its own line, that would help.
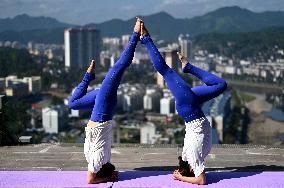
(106, 170)
(184, 168)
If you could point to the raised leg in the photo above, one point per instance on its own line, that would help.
(107, 96)
(179, 88)
(214, 84)
(186, 101)
(80, 99)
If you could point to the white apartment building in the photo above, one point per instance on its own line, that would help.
(148, 134)
(167, 105)
(54, 119)
(151, 100)
(185, 44)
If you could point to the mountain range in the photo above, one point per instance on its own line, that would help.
(24, 28)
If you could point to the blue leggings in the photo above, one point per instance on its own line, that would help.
(188, 100)
(103, 100)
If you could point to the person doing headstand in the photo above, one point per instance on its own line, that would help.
(97, 146)
(197, 141)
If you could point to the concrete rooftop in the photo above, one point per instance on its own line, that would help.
(67, 157)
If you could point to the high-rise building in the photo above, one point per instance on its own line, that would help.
(17, 89)
(124, 40)
(81, 46)
(151, 100)
(111, 44)
(218, 109)
(1, 101)
(148, 134)
(54, 119)
(105, 59)
(185, 44)
(34, 83)
(167, 103)
(167, 106)
(132, 101)
(171, 59)
(10, 79)
(2, 84)
(12, 83)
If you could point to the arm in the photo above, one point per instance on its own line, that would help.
(200, 180)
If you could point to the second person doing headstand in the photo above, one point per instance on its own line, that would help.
(197, 141)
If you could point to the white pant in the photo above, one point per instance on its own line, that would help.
(97, 146)
(197, 144)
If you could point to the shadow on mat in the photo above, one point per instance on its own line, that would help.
(255, 168)
(238, 172)
(214, 177)
(157, 168)
(129, 175)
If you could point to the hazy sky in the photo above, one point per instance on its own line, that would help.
(96, 11)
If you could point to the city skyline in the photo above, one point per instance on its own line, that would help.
(89, 11)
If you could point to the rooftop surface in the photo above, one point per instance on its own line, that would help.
(64, 165)
(141, 157)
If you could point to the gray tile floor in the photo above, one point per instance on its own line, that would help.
(141, 157)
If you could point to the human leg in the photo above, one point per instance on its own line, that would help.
(80, 99)
(107, 95)
(186, 101)
(214, 84)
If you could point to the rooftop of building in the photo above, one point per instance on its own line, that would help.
(141, 157)
(63, 165)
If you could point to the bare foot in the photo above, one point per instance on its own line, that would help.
(182, 59)
(137, 26)
(92, 67)
(143, 31)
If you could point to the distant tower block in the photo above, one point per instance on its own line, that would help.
(171, 59)
(81, 46)
(124, 40)
(185, 44)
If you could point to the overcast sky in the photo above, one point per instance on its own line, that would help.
(96, 11)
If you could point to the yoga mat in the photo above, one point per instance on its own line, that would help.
(46, 179)
(139, 179)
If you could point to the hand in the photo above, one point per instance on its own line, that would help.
(182, 59)
(177, 175)
(143, 30)
(92, 67)
(137, 27)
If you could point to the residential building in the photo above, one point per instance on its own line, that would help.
(185, 44)
(148, 134)
(170, 56)
(1, 102)
(17, 89)
(34, 83)
(2, 85)
(151, 100)
(54, 119)
(81, 46)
